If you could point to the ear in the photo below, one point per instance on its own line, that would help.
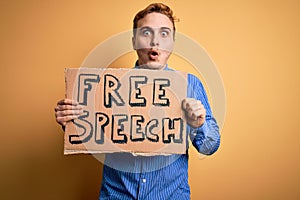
(133, 42)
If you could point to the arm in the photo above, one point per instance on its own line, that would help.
(202, 127)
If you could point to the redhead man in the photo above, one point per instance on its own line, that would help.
(127, 176)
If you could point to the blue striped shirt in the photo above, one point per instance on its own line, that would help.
(131, 177)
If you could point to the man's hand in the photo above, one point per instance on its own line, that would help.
(195, 112)
(67, 110)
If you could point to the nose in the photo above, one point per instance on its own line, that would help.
(154, 40)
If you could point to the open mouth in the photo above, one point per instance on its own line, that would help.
(153, 54)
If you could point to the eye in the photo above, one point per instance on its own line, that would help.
(164, 33)
(146, 33)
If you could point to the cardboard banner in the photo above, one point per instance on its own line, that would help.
(126, 110)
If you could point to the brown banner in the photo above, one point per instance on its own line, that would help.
(126, 110)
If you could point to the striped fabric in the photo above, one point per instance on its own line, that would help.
(129, 177)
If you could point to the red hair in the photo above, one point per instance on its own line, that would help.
(154, 7)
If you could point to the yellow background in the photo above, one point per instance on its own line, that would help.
(255, 44)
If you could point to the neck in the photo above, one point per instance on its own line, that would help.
(155, 66)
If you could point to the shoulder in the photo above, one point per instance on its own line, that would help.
(194, 80)
(195, 88)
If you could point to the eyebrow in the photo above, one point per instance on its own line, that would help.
(148, 27)
(166, 28)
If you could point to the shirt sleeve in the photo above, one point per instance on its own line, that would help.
(206, 138)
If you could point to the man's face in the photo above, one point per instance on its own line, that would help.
(154, 40)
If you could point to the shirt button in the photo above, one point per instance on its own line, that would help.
(144, 180)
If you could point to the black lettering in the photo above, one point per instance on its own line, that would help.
(111, 94)
(85, 81)
(149, 130)
(118, 127)
(172, 129)
(102, 121)
(159, 93)
(87, 129)
(135, 128)
(135, 98)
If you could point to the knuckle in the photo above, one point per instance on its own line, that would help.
(58, 114)
(188, 105)
(57, 108)
(69, 118)
(63, 113)
(60, 102)
(58, 120)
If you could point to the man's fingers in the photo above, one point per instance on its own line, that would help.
(199, 113)
(196, 111)
(190, 104)
(67, 102)
(191, 114)
(194, 114)
(63, 120)
(68, 112)
(67, 107)
(186, 103)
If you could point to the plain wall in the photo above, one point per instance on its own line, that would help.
(255, 44)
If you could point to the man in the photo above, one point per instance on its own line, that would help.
(127, 176)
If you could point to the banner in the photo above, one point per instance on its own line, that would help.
(126, 110)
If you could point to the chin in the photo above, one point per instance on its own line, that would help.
(153, 65)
